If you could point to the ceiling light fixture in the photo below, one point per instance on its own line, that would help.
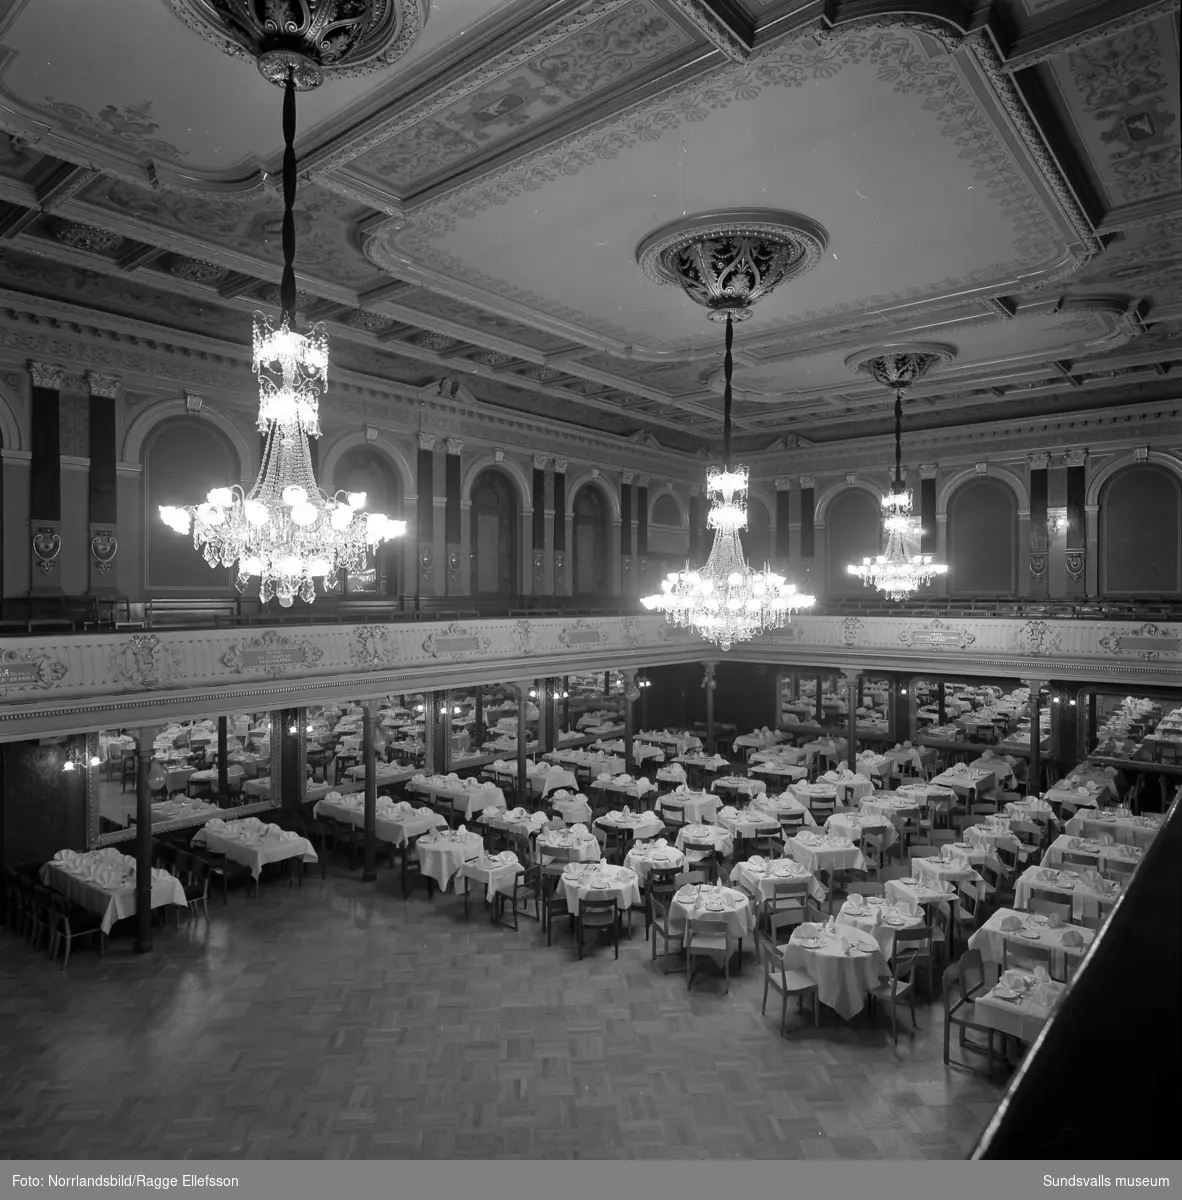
(727, 263)
(286, 530)
(898, 573)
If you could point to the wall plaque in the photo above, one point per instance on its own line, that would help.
(26, 668)
(272, 653)
(937, 635)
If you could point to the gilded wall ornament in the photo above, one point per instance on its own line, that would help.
(272, 653)
(144, 661)
(1038, 567)
(457, 639)
(523, 638)
(47, 545)
(1036, 639)
(426, 562)
(453, 563)
(1075, 564)
(373, 649)
(29, 668)
(104, 545)
(851, 629)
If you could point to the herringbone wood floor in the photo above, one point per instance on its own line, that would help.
(338, 1021)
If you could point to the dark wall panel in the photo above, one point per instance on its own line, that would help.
(1140, 533)
(982, 539)
(44, 808)
(853, 526)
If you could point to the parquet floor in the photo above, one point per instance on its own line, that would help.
(338, 1021)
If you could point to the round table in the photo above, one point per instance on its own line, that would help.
(573, 847)
(842, 979)
(871, 917)
(736, 914)
(583, 880)
(644, 858)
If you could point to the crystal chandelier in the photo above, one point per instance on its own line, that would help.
(726, 601)
(286, 530)
(896, 573)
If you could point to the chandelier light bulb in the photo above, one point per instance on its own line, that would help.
(293, 494)
(255, 512)
(303, 515)
(221, 497)
(356, 499)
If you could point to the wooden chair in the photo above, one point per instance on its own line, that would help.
(197, 888)
(917, 944)
(527, 891)
(1073, 858)
(873, 848)
(899, 988)
(598, 913)
(784, 980)
(708, 863)
(67, 924)
(673, 818)
(705, 938)
(963, 981)
(554, 905)
(1118, 870)
(822, 810)
(1025, 956)
(412, 871)
(661, 930)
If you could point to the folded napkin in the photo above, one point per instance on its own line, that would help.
(419, 777)
(215, 823)
(580, 829)
(490, 811)
(660, 844)
(1072, 937)
(1009, 924)
(624, 779)
(648, 814)
(603, 777)
(1054, 921)
(332, 796)
(614, 815)
(67, 856)
(728, 811)
(809, 929)
(289, 835)
(462, 831)
(757, 861)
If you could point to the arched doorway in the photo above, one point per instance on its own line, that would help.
(589, 536)
(183, 460)
(495, 528)
(362, 469)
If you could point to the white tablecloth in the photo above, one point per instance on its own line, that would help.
(842, 980)
(880, 919)
(854, 825)
(581, 880)
(572, 809)
(697, 806)
(806, 793)
(718, 837)
(735, 915)
(895, 808)
(572, 847)
(750, 823)
(643, 858)
(962, 782)
(991, 938)
(1022, 1018)
(1128, 831)
(114, 903)
(928, 795)
(1031, 809)
(759, 877)
(442, 857)
(825, 855)
(780, 770)
(781, 755)
(1098, 855)
(912, 896)
(256, 851)
(392, 823)
(957, 869)
(1085, 899)
(494, 874)
(779, 805)
(638, 826)
(849, 790)
(743, 787)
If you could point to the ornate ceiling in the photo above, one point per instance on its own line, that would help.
(1001, 177)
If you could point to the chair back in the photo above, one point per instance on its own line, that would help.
(822, 808)
(812, 912)
(598, 908)
(709, 925)
(969, 900)
(790, 822)
(865, 889)
(1074, 858)
(690, 878)
(1118, 869)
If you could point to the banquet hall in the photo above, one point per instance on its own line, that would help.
(589, 580)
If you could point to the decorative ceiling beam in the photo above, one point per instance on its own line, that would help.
(140, 256)
(63, 185)
(15, 219)
(237, 284)
(383, 292)
(724, 25)
(1064, 37)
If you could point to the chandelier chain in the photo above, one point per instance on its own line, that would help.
(287, 285)
(728, 367)
(898, 439)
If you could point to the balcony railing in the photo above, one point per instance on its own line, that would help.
(25, 615)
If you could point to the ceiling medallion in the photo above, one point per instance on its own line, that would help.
(193, 270)
(901, 364)
(435, 341)
(87, 237)
(308, 40)
(492, 358)
(371, 322)
(271, 294)
(542, 374)
(727, 261)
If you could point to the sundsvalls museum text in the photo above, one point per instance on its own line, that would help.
(159, 1182)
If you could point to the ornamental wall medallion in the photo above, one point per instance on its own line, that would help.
(457, 639)
(144, 661)
(851, 629)
(1147, 642)
(103, 548)
(28, 668)
(523, 638)
(47, 545)
(630, 628)
(1038, 567)
(272, 653)
(581, 633)
(937, 635)
(373, 650)
(1036, 639)
(1075, 564)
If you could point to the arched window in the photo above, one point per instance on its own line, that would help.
(983, 539)
(363, 469)
(494, 534)
(590, 538)
(853, 525)
(1140, 529)
(183, 461)
(667, 512)
(757, 537)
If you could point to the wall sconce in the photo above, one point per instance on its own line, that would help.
(566, 695)
(1054, 699)
(1072, 703)
(1056, 524)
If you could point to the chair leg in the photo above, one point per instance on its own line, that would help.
(766, 985)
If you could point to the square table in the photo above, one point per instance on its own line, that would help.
(1102, 854)
(739, 785)
(254, 848)
(697, 806)
(599, 881)
(1085, 896)
(920, 894)
(1127, 830)
(784, 805)
(727, 906)
(953, 870)
(747, 823)
(759, 877)
(573, 810)
(574, 847)
(991, 938)
(779, 771)
(881, 919)
(1024, 1015)
(826, 853)
(806, 793)
(394, 822)
(494, 872)
(442, 855)
(854, 826)
(896, 809)
(111, 902)
(639, 825)
(716, 835)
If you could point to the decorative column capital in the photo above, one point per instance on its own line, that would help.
(193, 402)
(105, 386)
(807, 481)
(595, 472)
(981, 468)
(927, 470)
(371, 433)
(560, 465)
(499, 454)
(1075, 458)
(47, 375)
(541, 461)
(626, 478)
(1140, 453)
(783, 483)
(454, 445)
(642, 481)
(851, 478)
(1039, 461)
(426, 441)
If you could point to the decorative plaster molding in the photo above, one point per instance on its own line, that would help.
(807, 481)
(540, 461)
(454, 446)
(560, 465)
(426, 441)
(105, 386)
(981, 468)
(783, 483)
(47, 375)
(498, 454)
(1039, 461)
(928, 470)
(194, 402)
(1075, 458)
(1141, 454)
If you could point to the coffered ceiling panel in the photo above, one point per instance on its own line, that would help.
(889, 146)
